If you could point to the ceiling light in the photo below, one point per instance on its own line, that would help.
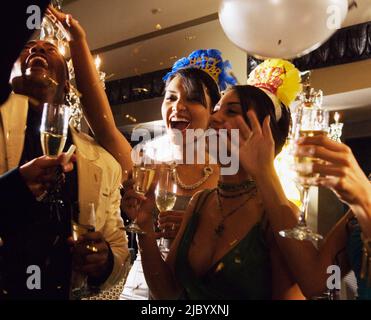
(158, 27)
(97, 62)
(190, 37)
(140, 90)
(156, 10)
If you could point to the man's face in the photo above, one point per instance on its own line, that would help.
(41, 61)
(41, 73)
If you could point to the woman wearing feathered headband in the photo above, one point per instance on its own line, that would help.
(191, 91)
(225, 248)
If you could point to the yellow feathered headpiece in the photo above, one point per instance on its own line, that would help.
(279, 79)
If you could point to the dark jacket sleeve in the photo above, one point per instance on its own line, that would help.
(14, 197)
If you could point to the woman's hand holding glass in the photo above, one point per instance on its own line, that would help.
(338, 170)
(169, 223)
(139, 207)
(311, 122)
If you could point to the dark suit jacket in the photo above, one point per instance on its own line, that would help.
(29, 232)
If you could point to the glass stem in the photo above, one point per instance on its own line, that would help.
(162, 242)
(304, 209)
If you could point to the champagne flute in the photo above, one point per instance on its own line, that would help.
(312, 122)
(165, 194)
(143, 176)
(53, 135)
(53, 129)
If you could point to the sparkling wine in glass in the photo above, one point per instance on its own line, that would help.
(53, 129)
(165, 200)
(165, 194)
(303, 165)
(312, 121)
(53, 136)
(143, 176)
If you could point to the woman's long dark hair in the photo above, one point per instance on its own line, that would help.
(194, 81)
(254, 98)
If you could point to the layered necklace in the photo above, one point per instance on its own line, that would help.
(207, 172)
(247, 188)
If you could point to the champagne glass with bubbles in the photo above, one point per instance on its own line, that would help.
(54, 128)
(165, 194)
(53, 134)
(143, 175)
(311, 121)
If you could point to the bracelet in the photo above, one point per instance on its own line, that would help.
(366, 260)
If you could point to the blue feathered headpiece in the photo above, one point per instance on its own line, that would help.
(209, 61)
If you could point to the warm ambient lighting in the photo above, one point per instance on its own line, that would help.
(284, 164)
(97, 62)
(62, 48)
(337, 117)
(102, 75)
(336, 129)
(129, 117)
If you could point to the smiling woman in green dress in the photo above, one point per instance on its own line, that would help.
(225, 248)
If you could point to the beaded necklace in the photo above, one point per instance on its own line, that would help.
(219, 230)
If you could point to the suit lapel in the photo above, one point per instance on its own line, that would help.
(89, 174)
(14, 119)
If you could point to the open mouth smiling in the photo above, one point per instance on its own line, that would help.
(36, 62)
(179, 123)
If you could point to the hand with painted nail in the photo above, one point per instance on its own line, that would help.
(256, 151)
(169, 223)
(338, 170)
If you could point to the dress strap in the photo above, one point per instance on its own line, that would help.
(201, 200)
